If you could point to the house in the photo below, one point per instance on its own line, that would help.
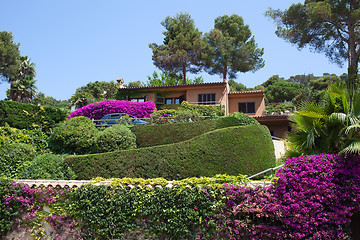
(251, 103)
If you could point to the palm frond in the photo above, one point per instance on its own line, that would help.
(352, 148)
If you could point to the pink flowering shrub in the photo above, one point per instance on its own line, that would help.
(314, 198)
(100, 109)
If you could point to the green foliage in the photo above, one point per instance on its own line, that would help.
(236, 87)
(93, 92)
(46, 166)
(153, 135)
(75, 135)
(203, 110)
(324, 26)
(182, 48)
(163, 213)
(13, 156)
(117, 137)
(9, 55)
(34, 137)
(279, 107)
(281, 91)
(42, 100)
(233, 150)
(244, 119)
(27, 116)
(231, 48)
(170, 78)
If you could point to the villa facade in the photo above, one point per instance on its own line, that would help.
(251, 103)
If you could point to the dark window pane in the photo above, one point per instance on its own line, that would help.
(242, 107)
(251, 107)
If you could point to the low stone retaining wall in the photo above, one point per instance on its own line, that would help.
(79, 183)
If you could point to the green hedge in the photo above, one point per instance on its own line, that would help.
(28, 116)
(154, 135)
(232, 151)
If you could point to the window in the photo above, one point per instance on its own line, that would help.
(137, 100)
(168, 101)
(160, 100)
(247, 107)
(206, 99)
(176, 100)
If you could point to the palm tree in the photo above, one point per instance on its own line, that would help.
(23, 90)
(322, 128)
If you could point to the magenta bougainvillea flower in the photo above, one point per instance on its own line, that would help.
(100, 109)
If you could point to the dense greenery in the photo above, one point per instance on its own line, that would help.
(93, 92)
(182, 48)
(153, 135)
(9, 55)
(169, 78)
(325, 26)
(27, 116)
(46, 166)
(232, 150)
(78, 135)
(114, 138)
(231, 48)
(301, 204)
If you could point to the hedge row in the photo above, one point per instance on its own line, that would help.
(315, 197)
(154, 135)
(233, 151)
(28, 116)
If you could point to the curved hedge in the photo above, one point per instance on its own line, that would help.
(100, 109)
(28, 116)
(154, 135)
(233, 151)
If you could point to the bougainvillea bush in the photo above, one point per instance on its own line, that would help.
(100, 109)
(314, 197)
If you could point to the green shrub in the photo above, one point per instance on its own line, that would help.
(244, 119)
(153, 135)
(203, 110)
(28, 116)
(12, 157)
(117, 137)
(232, 151)
(34, 137)
(46, 166)
(75, 135)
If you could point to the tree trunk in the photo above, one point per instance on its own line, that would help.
(224, 74)
(184, 74)
(353, 58)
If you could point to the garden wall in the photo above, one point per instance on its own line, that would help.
(234, 150)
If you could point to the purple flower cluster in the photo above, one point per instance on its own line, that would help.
(100, 109)
(314, 198)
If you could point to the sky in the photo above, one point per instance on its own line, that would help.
(74, 42)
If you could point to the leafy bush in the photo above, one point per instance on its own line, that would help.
(279, 107)
(27, 116)
(233, 151)
(204, 110)
(46, 166)
(34, 137)
(12, 157)
(244, 119)
(100, 109)
(117, 137)
(153, 135)
(75, 135)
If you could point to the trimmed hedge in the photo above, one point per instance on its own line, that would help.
(28, 116)
(154, 135)
(233, 151)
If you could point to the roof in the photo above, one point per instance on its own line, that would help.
(174, 86)
(273, 117)
(247, 92)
